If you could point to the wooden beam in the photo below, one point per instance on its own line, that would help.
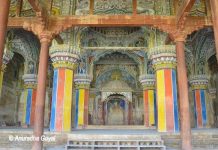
(116, 48)
(184, 9)
(134, 6)
(19, 7)
(41, 9)
(18, 22)
(91, 7)
(112, 20)
(35, 5)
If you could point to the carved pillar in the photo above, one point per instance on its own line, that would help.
(149, 96)
(6, 58)
(82, 82)
(199, 85)
(45, 40)
(183, 95)
(4, 11)
(29, 98)
(214, 12)
(64, 64)
(164, 63)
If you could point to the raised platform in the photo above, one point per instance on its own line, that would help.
(202, 139)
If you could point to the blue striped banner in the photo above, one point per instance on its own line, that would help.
(28, 106)
(203, 107)
(176, 113)
(155, 108)
(54, 100)
(77, 109)
(195, 110)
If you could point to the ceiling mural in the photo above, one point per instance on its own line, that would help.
(26, 9)
(81, 7)
(115, 37)
(113, 6)
(199, 8)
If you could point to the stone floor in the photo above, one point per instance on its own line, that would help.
(202, 139)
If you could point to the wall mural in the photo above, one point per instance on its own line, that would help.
(115, 112)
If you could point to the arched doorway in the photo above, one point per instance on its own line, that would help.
(116, 110)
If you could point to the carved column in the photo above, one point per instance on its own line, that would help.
(149, 96)
(164, 63)
(183, 95)
(29, 97)
(214, 12)
(64, 64)
(6, 58)
(4, 11)
(199, 85)
(82, 82)
(45, 40)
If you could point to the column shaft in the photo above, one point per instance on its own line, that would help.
(29, 106)
(183, 96)
(214, 11)
(4, 11)
(64, 63)
(81, 116)
(61, 100)
(200, 107)
(149, 108)
(1, 80)
(168, 119)
(164, 62)
(40, 96)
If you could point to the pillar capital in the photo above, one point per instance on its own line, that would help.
(45, 36)
(30, 81)
(147, 81)
(198, 82)
(163, 57)
(82, 81)
(180, 36)
(64, 59)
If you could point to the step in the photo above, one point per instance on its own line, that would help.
(115, 144)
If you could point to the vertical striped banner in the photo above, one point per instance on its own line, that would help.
(200, 108)
(33, 107)
(81, 118)
(149, 108)
(146, 113)
(86, 107)
(168, 119)
(29, 106)
(61, 100)
(68, 100)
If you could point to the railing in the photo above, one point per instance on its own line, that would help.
(114, 144)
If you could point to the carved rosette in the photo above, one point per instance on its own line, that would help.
(82, 81)
(199, 82)
(147, 81)
(8, 55)
(212, 93)
(163, 57)
(30, 81)
(63, 58)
